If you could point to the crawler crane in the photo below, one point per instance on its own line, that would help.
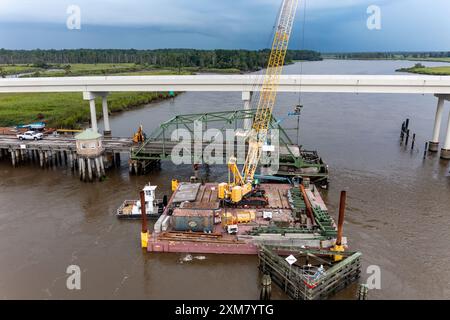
(241, 188)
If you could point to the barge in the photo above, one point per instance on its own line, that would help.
(195, 220)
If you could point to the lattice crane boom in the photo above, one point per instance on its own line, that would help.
(241, 184)
(269, 88)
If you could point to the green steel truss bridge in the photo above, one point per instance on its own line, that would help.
(293, 160)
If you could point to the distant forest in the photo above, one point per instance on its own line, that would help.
(244, 60)
(389, 55)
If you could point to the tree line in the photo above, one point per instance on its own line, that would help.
(389, 55)
(244, 60)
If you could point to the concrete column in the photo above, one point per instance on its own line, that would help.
(70, 159)
(247, 98)
(81, 168)
(434, 143)
(89, 168)
(107, 130)
(41, 159)
(102, 165)
(97, 167)
(445, 151)
(13, 158)
(93, 115)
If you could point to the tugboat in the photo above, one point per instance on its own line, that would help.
(131, 209)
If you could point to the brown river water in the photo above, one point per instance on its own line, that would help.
(398, 204)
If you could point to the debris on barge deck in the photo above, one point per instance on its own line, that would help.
(196, 221)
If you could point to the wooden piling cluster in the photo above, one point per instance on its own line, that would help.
(45, 158)
(292, 280)
(140, 167)
(405, 134)
(89, 168)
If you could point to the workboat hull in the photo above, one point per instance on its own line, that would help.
(125, 211)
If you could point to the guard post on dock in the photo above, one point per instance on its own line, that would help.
(90, 155)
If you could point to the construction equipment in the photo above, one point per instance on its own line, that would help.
(241, 186)
(139, 136)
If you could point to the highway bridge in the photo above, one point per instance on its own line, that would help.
(100, 86)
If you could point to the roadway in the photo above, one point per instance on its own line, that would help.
(410, 84)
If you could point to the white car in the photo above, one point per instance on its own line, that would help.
(30, 135)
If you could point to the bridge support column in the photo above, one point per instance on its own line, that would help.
(91, 97)
(445, 151)
(93, 115)
(247, 98)
(433, 146)
(107, 130)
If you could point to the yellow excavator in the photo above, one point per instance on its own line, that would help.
(139, 135)
(241, 187)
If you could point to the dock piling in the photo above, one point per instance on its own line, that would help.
(41, 158)
(363, 292)
(266, 287)
(341, 217)
(89, 167)
(13, 158)
(144, 230)
(102, 166)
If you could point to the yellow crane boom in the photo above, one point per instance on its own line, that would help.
(241, 185)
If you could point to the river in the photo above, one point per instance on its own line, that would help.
(398, 212)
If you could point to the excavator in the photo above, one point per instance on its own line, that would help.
(242, 188)
(139, 135)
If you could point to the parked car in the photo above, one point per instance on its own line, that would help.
(30, 135)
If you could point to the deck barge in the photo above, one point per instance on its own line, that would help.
(195, 221)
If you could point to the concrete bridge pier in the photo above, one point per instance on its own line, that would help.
(247, 98)
(445, 151)
(90, 96)
(433, 145)
(107, 131)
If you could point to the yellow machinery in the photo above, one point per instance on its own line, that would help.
(239, 218)
(240, 185)
(174, 184)
(139, 135)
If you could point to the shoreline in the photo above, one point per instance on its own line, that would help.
(68, 110)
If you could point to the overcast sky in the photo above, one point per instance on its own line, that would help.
(329, 25)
